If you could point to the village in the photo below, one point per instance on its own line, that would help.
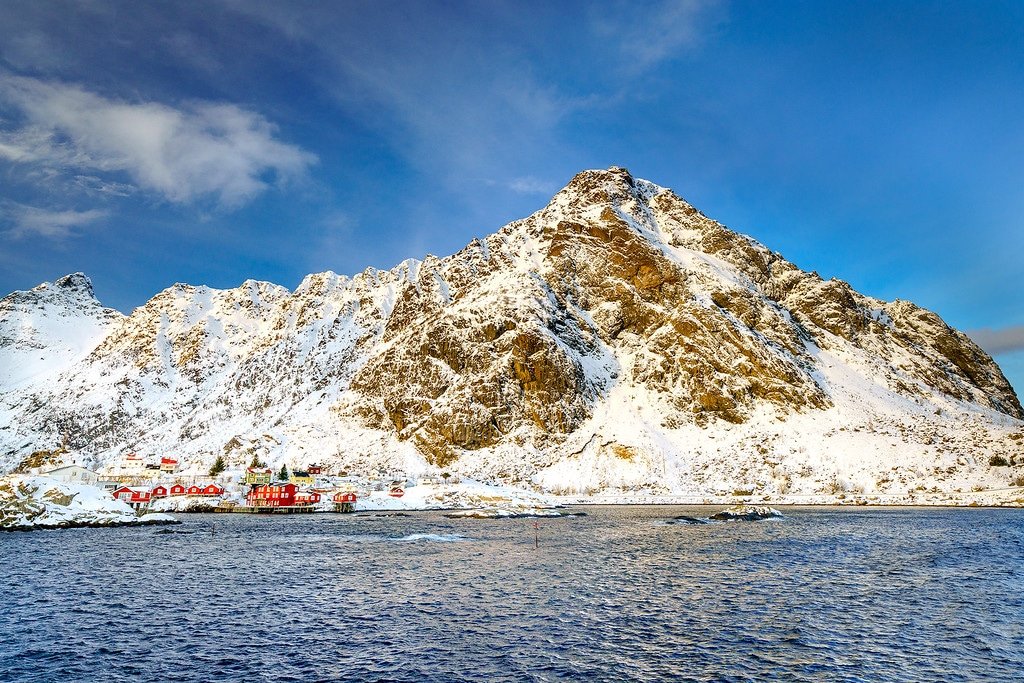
(164, 485)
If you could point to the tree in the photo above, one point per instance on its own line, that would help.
(283, 474)
(256, 463)
(446, 476)
(218, 466)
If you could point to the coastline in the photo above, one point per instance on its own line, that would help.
(1013, 499)
(91, 525)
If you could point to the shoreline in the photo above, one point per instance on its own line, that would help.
(89, 525)
(852, 506)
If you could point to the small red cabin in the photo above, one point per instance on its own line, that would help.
(315, 469)
(208, 490)
(178, 490)
(272, 495)
(396, 492)
(132, 494)
(345, 501)
(306, 497)
(159, 491)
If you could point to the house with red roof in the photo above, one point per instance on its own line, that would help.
(278, 494)
(306, 497)
(344, 501)
(208, 490)
(136, 496)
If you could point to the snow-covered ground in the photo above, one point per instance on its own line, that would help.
(187, 503)
(463, 495)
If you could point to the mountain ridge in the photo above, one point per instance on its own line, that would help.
(604, 342)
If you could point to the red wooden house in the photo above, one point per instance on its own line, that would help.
(168, 465)
(344, 501)
(306, 497)
(315, 469)
(159, 491)
(178, 490)
(279, 494)
(208, 490)
(133, 495)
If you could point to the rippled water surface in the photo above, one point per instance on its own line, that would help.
(821, 595)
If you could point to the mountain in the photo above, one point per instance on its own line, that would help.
(616, 340)
(47, 329)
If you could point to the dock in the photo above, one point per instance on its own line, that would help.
(266, 509)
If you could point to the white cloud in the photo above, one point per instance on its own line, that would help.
(658, 32)
(199, 150)
(531, 185)
(93, 185)
(1006, 340)
(30, 221)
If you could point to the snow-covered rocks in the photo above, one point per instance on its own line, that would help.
(493, 512)
(32, 502)
(157, 518)
(466, 495)
(746, 513)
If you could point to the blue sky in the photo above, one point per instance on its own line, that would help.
(153, 143)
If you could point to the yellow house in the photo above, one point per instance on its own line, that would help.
(257, 476)
(301, 478)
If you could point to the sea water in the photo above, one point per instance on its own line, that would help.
(820, 595)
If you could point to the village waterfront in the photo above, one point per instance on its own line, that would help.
(839, 594)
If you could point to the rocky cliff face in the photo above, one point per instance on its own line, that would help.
(618, 338)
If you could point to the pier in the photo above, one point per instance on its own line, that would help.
(266, 509)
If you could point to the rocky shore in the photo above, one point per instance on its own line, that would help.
(28, 503)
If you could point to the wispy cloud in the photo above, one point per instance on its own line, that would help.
(1006, 340)
(658, 31)
(198, 150)
(532, 185)
(452, 95)
(30, 221)
(96, 186)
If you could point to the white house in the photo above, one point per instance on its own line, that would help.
(131, 465)
(73, 474)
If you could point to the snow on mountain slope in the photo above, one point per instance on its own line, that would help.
(616, 340)
(48, 328)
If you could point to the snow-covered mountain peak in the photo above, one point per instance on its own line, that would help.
(74, 289)
(617, 337)
(78, 282)
(47, 328)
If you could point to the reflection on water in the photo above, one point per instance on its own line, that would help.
(822, 595)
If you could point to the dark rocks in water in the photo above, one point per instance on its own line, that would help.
(685, 519)
(173, 531)
(746, 513)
